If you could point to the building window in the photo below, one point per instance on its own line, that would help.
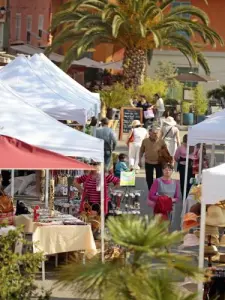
(40, 25)
(176, 4)
(29, 29)
(18, 27)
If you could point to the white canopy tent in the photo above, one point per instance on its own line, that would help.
(213, 191)
(40, 63)
(31, 125)
(44, 93)
(209, 131)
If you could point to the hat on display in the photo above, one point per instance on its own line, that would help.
(222, 241)
(196, 191)
(190, 240)
(215, 216)
(136, 123)
(190, 221)
(170, 121)
(214, 233)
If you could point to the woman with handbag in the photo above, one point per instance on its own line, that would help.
(90, 189)
(164, 189)
(170, 134)
(135, 138)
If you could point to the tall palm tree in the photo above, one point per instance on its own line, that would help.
(150, 272)
(139, 26)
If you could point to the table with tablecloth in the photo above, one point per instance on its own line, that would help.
(53, 239)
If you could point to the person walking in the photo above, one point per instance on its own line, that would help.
(136, 136)
(107, 134)
(160, 107)
(171, 135)
(180, 158)
(150, 148)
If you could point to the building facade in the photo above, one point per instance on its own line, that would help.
(29, 22)
(215, 56)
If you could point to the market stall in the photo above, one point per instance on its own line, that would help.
(42, 90)
(212, 192)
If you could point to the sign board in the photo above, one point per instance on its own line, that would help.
(188, 94)
(127, 178)
(127, 116)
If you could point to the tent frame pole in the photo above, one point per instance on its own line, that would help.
(96, 116)
(102, 193)
(202, 245)
(46, 187)
(185, 183)
(200, 163)
(212, 156)
(12, 183)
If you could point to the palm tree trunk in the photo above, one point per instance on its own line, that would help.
(134, 66)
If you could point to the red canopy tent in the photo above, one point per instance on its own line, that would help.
(15, 154)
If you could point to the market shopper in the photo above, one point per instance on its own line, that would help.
(121, 165)
(164, 186)
(135, 136)
(180, 158)
(108, 136)
(150, 149)
(171, 134)
(160, 107)
(89, 188)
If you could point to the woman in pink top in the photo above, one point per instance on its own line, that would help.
(164, 186)
(180, 158)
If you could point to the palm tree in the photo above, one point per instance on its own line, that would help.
(138, 26)
(149, 272)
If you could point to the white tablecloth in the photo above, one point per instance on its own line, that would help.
(53, 239)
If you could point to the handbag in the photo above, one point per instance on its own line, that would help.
(148, 114)
(131, 139)
(164, 156)
(6, 204)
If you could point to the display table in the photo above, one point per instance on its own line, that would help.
(53, 239)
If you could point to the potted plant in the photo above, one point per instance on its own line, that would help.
(200, 103)
(114, 97)
(188, 116)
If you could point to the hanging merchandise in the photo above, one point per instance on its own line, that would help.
(127, 178)
(51, 197)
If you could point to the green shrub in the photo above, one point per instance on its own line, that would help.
(17, 272)
(186, 107)
(200, 101)
(152, 86)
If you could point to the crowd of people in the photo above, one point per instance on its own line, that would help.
(162, 150)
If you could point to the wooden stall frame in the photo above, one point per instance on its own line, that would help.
(122, 118)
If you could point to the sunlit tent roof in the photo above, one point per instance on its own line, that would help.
(42, 65)
(31, 125)
(41, 90)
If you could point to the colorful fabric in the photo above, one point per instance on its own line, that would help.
(91, 191)
(164, 206)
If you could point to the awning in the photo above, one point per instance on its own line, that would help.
(31, 50)
(15, 154)
(193, 77)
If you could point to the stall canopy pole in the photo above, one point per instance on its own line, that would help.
(212, 156)
(12, 182)
(200, 163)
(96, 116)
(185, 183)
(224, 154)
(46, 188)
(202, 245)
(102, 182)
